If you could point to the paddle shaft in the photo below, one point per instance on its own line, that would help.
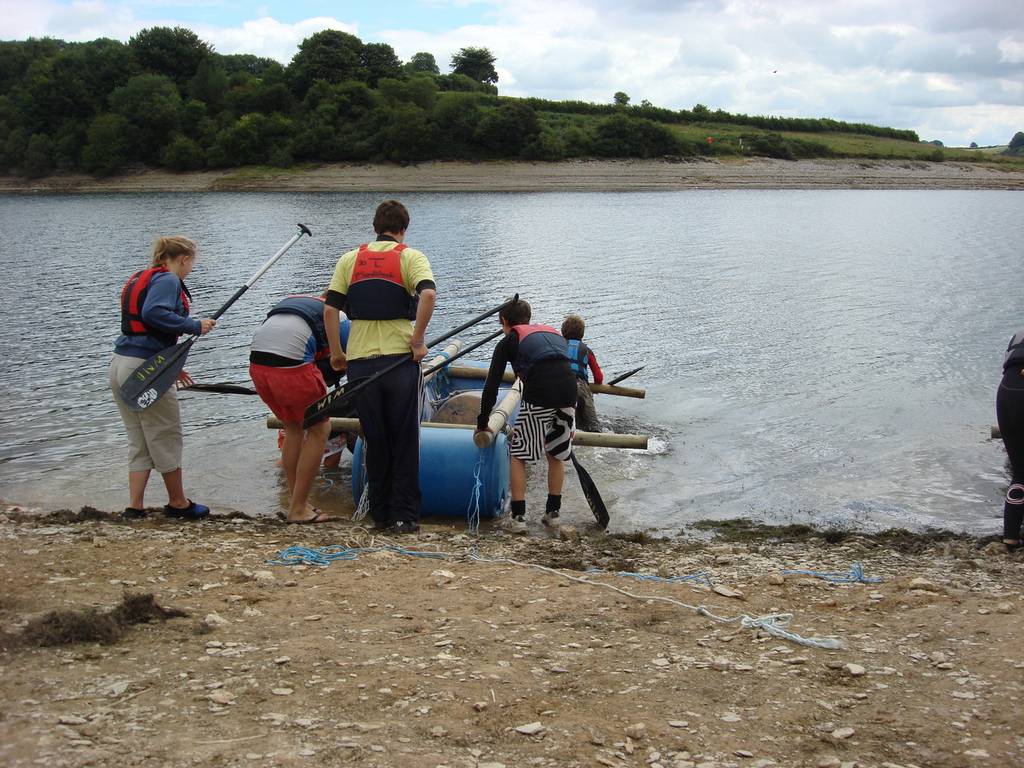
(335, 400)
(304, 230)
(453, 358)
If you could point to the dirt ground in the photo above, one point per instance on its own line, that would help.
(566, 176)
(480, 658)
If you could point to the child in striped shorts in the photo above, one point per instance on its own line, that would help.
(544, 427)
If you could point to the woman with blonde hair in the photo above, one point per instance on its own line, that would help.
(154, 312)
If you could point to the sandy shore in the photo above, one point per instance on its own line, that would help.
(589, 175)
(505, 651)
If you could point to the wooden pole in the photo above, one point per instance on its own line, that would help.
(499, 416)
(466, 372)
(584, 439)
(449, 352)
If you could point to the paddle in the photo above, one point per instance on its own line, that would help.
(155, 376)
(461, 352)
(591, 493)
(339, 399)
(222, 388)
(624, 376)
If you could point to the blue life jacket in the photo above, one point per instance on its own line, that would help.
(536, 343)
(579, 358)
(311, 310)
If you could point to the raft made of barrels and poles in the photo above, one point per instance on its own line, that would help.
(459, 470)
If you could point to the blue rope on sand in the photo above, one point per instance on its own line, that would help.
(855, 576)
(701, 577)
(328, 555)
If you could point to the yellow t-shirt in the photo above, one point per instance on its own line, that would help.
(367, 338)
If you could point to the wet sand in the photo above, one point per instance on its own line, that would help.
(584, 175)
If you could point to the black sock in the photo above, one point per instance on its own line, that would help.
(518, 507)
(554, 503)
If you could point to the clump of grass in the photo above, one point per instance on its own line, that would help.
(93, 626)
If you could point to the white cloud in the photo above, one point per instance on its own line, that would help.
(268, 37)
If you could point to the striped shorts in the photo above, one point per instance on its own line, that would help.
(542, 430)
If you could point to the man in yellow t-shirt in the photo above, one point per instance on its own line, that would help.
(387, 290)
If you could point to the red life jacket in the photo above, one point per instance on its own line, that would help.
(376, 290)
(536, 343)
(133, 298)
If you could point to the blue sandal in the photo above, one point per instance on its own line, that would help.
(192, 512)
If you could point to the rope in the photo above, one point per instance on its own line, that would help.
(473, 509)
(855, 576)
(774, 623)
(700, 577)
(363, 507)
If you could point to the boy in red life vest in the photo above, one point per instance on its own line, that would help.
(581, 358)
(539, 356)
(387, 290)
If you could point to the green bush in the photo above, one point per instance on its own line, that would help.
(623, 136)
(182, 154)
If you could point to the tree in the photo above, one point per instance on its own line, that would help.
(620, 135)
(422, 63)
(621, 99)
(252, 140)
(175, 53)
(150, 103)
(182, 154)
(38, 160)
(457, 115)
(406, 133)
(209, 83)
(420, 91)
(108, 145)
(378, 60)
(477, 63)
(1016, 143)
(974, 145)
(329, 55)
(508, 129)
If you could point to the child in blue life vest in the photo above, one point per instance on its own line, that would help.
(581, 358)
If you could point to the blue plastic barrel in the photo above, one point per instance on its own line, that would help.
(448, 470)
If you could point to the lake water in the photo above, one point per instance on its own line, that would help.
(810, 355)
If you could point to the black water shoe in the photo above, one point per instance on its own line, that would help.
(192, 512)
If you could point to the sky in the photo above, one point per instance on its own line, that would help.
(950, 70)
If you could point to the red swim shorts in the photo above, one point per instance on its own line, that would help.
(288, 391)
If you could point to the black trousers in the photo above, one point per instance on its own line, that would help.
(389, 413)
(1010, 417)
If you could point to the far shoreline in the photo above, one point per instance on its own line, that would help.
(665, 174)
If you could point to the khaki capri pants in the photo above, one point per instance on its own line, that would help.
(154, 435)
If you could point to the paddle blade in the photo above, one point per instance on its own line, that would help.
(591, 493)
(155, 376)
(625, 376)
